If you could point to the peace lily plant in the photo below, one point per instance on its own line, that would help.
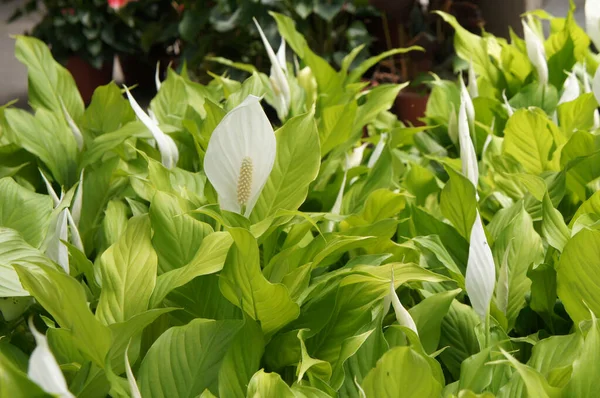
(200, 248)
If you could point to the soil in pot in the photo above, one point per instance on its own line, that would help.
(87, 77)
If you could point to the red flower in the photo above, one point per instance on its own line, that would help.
(117, 4)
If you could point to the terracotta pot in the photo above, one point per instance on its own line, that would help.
(410, 106)
(87, 77)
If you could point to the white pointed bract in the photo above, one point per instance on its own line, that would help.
(473, 89)
(133, 387)
(279, 83)
(78, 201)
(587, 88)
(596, 85)
(74, 129)
(481, 272)
(56, 250)
(43, 368)
(377, 151)
(509, 109)
(571, 89)
(402, 315)
(536, 53)
(468, 157)
(466, 99)
(240, 156)
(355, 158)
(281, 57)
(168, 150)
(157, 77)
(592, 21)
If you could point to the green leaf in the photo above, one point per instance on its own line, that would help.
(185, 360)
(107, 100)
(538, 95)
(521, 246)
(584, 379)
(379, 99)
(458, 333)
(128, 273)
(401, 372)
(367, 64)
(428, 316)
(336, 125)
(24, 211)
(209, 259)
(65, 299)
(177, 235)
(48, 137)
(242, 360)
(536, 384)
(296, 166)
(15, 383)
(554, 229)
(244, 285)
(578, 275)
(528, 138)
(268, 385)
(15, 251)
(49, 82)
(458, 202)
(577, 114)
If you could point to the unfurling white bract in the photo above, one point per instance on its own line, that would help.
(43, 368)
(536, 52)
(465, 98)
(355, 158)
(377, 151)
(571, 89)
(72, 125)
(78, 201)
(157, 77)
(468, 157)
(473, 89)
(592, 21)
(169, 153)
(134, 390)
(279, 83)
(240, 156)
(402, 315)
(481, 272)
(596, 85)
(509, 109)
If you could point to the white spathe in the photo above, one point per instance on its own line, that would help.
(169, 153)
(72, 125)
(571, 89)
(592, 21)
(240, 156)
(473, 89)
(78, 200)
(43, 368)
(536, 52)
(402, 315)
(466, 99)
(279, 83)
(133, 387)
(596, 85)
(377, 151)
(509, 109)
(157, 77)
(355, 158)
(468, 157)
(481, 272)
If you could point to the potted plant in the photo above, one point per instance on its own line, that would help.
(406, 23)
(82, 34)
(154, 38)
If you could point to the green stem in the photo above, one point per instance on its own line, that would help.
(487, 330)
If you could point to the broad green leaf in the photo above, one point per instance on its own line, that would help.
(268, 385)
(584, 380)
(128, 273)
(538, 95)
(15, 383)
(209, 259)
(458, 202)
(401, 372)
(535, 383)
(317, 367)
(242, 360)
(367, 64)
(15, 251)
(24, 211)
(554, 229)
(379, 99)
(115, 221)
(111, 142)
(177, 236)
(49, 82)
(107, 100)
(553, 357)
(48, 137)
(428, 316)
(65, 299)
(522, 246)
(578, 275)
(336, 125)
(458, 333)
(296, 166)
(528, 138)
(185, 360)
(580, 158)
(577, 114)
(244, 285)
